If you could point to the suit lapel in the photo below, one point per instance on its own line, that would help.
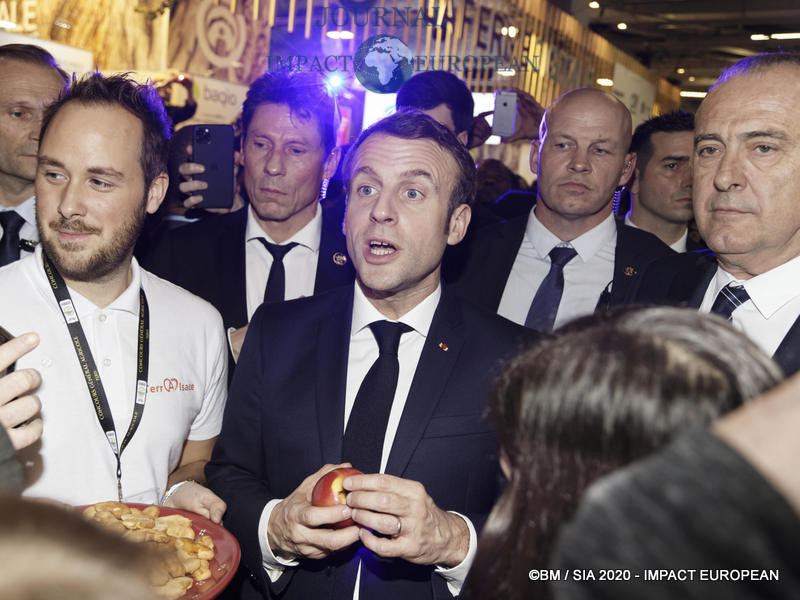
(788, 353)
(689, 290)
(333, 265)
(330, 374)
(439, 355)
(232, 269)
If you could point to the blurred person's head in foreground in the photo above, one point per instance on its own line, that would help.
(593, 396)
(50, 553)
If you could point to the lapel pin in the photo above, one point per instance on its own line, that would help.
(339, 258)
(443, 346)
(629, 271)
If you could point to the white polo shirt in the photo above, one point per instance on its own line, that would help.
(187, 380)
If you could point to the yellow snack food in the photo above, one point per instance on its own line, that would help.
(182, 559)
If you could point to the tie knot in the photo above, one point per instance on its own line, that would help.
(387, 334)
(278, 251)
(561, 255)
(11, 221)
(731, 297)
(735, 293)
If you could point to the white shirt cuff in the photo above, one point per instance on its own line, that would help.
(274, 565)
(455, 576)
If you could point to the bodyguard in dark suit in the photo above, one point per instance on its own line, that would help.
(746, 197)
(567, 256)
(208, 259)
(302, 399)
(282, 245)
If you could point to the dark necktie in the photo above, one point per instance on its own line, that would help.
(9, 244)
(730, 298)
(366, 428)
(542, 313)
(276, 282)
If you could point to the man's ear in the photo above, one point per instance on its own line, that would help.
(157, 192)
(628, 167)
(459, 221)
(463, 137)
(329, 168)
(534, 158)
(634, 186)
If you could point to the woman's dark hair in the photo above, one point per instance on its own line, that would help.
(597, 394)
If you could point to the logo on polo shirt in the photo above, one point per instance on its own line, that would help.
(171, 384)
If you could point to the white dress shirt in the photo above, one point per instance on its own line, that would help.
(363, 352)
(585, 276)
(773, 306)
(28, 231)
(300, 263)
(678, 246)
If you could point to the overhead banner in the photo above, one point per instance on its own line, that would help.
(637, 93)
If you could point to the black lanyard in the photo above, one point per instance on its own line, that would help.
(89, 368)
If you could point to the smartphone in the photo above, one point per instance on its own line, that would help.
(505, 113)
(5, 337)
(212, 147)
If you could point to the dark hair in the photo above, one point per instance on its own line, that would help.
(429, 89)
(141, 100)
(34, 55)
(304, 94)
(758, 63)
(414, 125)
(671, 122)
(595, 395)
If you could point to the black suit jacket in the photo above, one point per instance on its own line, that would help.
(285, 419)
(481, 270)
(208, 259)
(682, 280)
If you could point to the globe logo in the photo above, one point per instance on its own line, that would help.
(383, 63)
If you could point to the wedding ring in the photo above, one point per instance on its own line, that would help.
(399, 528)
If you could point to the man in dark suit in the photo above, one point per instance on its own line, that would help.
(661, 187)
(283, 244)
(567, 256)
(300, 397)
(746, 198)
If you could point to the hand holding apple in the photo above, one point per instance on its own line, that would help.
(329, 491)
(297, 528)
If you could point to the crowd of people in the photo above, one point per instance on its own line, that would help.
(490, 367)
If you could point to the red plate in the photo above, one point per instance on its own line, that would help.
(226, 552)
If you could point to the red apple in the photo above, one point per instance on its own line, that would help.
(329, 491)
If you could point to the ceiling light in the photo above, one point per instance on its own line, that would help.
(785, 36)
(334, 35)
(680, 70)
(512, 31)
(687, 94)
(346, 35)
(759, 37)
(506, 72)
(692, 78)
(504, 31)
(605, 82)
(594, 4)
(622, 26)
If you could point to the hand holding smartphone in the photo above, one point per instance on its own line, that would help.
(212, 147)
(505, 113)
(19, 407)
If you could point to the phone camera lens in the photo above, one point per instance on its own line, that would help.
(203, 135)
